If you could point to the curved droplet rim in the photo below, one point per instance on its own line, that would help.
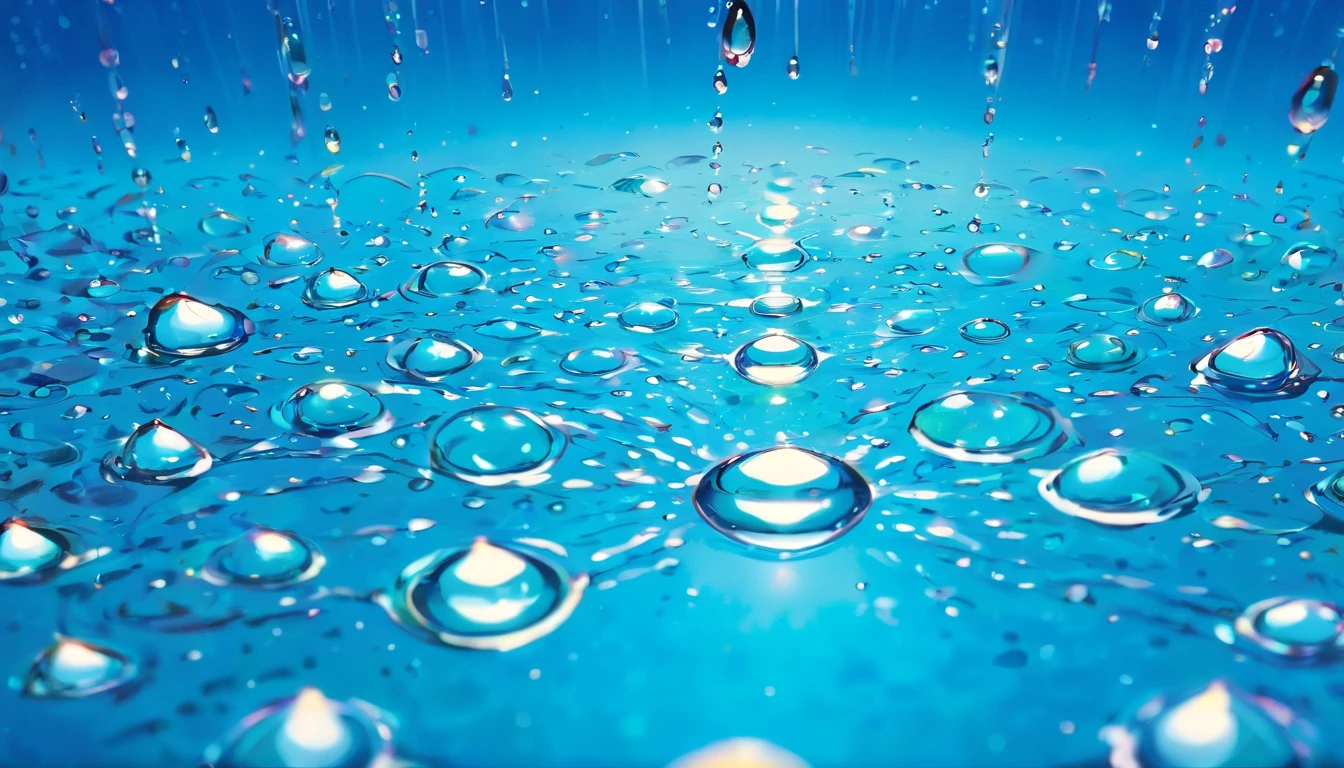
(1007, 332)
(1058, 434)
(1135, 357)
(211, 570)
(628, 361)
(1183, 502)
(742, 363)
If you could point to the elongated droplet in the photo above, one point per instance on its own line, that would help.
(720, 81)
(738, 39)
(332, 139)
(1121, 488)
(793, 68)
(72, 668)
(506, 90)
(211, 122)
(1311, 103)
(989, 427)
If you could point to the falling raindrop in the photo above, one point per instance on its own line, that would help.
(737, 41)
(211, 122)
(720, 82)
(332, 140)
(1310, 107)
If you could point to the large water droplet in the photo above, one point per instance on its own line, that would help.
(31, 552)
(1295, 628)
(782, 499)
(995, 263)
(445, 278)
(306, 731)
(1167, 309)
(1103, 352)
(1310, 107)
(1121, 488)
(986, 330)
(989, 428)
(332, 409)
(263, 558)
(72, 668)
(594, 362)
(776, 360)
(738, 39)
(775, 254)
(487, 596)
(648, 317)
(334, 289)
(431, 358)
(1308, 260)
(157, 454)
(1259, 364)
(181, 326)
(495, 445)
(285, 250)
(776, 303)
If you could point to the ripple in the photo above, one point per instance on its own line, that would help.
(989, 428)
(1121, 488)
(495, 445)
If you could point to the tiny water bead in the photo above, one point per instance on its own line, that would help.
(784, 500)
(1216, 727)
(648, 317)
(306, 731)
(1296, 628)
(1103, 352)
(1121, 488)
(264, 558)
(286, 250)
(776, 360)
(486, 596)
(989, 428)
(71, 668)
(1167, 309)
(776, 303)
(495, 445)
(180, 326)
(995, 263)
(431, 358)
(986, 330)
(1260, 364)
(775, 254)
(738, 39)
(157, 454)
(445, 278)
(334, 289)
(332, 409)
(594, 362)
(1117, 261)
(913, 322)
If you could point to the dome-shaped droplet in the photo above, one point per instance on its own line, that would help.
(775, 254)
(495, 445)
(1117, 261)
(995, 263)
(1294, 627)
(593, 362)
(1167, 309)
(776, 303)
(286, 250)
(157, 454)
(1216, 727)
(1328, 495)
(913, 322)
(431, 358)
(487, 596)
(72, 668)
(776, 360)
(1218, 257)
(263, 558)
(334, 289)
(31, 552)
(782, 499)
(223, 224)
(648, 317)
(445, 278)
(989, 427)
(739, 753)
(1259, 364)
(306, 731)
(1307, 260)
(181, 326)
(1121, 488)
(1103, 352)
(986, 330)
(1310, 105)
(332, 409)
(737, 41)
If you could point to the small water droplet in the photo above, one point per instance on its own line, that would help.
(989, 428)
(1167, 309)
(71, 668)
(985, 330)
(333, 289)
(495, 445)
(157, 454)
(648, 317)
(1103, 352)
(211, 121)
(332, 140)
(913, 322)
(1117, 261)
(775, 254)
(594, 362)
(223, 224)
(263, 557)
(285, 250)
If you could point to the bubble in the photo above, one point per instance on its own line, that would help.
(776, 360)
(1121, 488)
(1103, 352)
(738, 39)
(1308, 260)
(1216, 727)
(1167, 309)
(332, 409)
(1260, 364)
(71, 669)
(648, 317)
(431, 358)
(181, 326)
(223, 224)
(285, 250)
(913, 322)
(1310, 106)
(1218, 257)
(1295, 628)
(32, 551)
(445, 278)
(995, 263)
(488, 596)
(157, 454)
(334, 289)
(495, 445)
(776, 303)
(775, 254)
(985, 330)
(989, 428)
(263, 557)
(594, 362)
(783, 499)
(1117, 261)
(304, 731)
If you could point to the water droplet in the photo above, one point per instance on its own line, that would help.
(1311, 102)
(332, 140)
(648, 317)
(263, 557)
(304, 731)
(1259, 364)
(776, 303)
(509, 330)
(70, 669)
(393, 88)
(738, 40)
(1308, 260)
(995, 263)
(141, 177)
(506, 89)
(986, 330)
(333, 289)
(445, 278)
(989, 428)
(913, 322)
(291, 251)
(181, 326)
(495, 445)
(332, 409)
(775, 254)
(793, 68)
(431, 358)
(1103, 352)
(223, 224)
(1121, 488)
(594, 362)
(720, 82)
(865, 233)
(1116, 261)
(1218, 257)
(211, 121)
(776, 360)
(782, 499)
(488, 596)
(1167, 309)
(157, 454)
(31, 552)
(739, 753)
(1297, 628)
